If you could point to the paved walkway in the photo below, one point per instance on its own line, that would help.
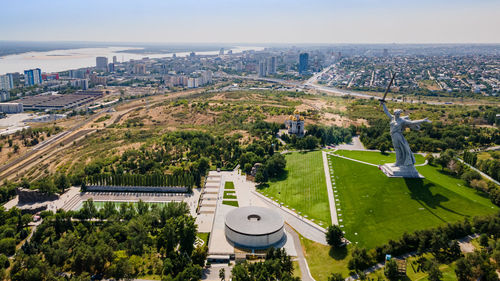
(355, 144)
(359, 161)
(329, 189)
(304, 268)
(479, 171)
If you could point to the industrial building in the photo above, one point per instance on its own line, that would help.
(58, 102)
(11, 107)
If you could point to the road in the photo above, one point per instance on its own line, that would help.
(304, 268)
(479, 171)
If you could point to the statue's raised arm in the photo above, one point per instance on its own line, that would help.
(386, 111)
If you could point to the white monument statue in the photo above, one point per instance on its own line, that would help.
(405, 161)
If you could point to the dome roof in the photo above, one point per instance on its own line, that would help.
(254, 220)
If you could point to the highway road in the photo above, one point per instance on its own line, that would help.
(311, 83)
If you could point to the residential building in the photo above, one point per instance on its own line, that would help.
(101, 63)
(6, 82)
(80, 83)
(303, 63)
(140, 68)
(271, 65)
(33, 77)
(262, 69)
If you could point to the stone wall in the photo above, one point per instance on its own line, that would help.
(28, 196)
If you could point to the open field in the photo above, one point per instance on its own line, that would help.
(375, 157)
(376, 209)
(303, 188)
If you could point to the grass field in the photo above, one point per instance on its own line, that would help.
(230, 203)
(304, 187)
(375, 157)
(323, 261)
(375, 208)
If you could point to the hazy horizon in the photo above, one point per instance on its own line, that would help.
(253, 22)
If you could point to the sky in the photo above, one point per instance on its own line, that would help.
(252, 21)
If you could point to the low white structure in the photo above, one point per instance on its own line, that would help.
(11, 107)
(254, 227)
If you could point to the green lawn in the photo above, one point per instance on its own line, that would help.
(375, 157)
(375, 208)
(203, 236)
(228, 185)
(323, 261)
(229, 195)
(304, 187)
(230, 203)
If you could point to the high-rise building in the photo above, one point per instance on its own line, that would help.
(111, 67)
(262, 69)
(271, 65)
(303, 62)
(139, 68)
(6, 82)
(115, 61)
(221, 51)
(101, 63)
(386, 52)
(33, 77)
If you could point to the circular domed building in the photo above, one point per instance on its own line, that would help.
(254, 227)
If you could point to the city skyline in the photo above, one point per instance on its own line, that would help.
(230, 21)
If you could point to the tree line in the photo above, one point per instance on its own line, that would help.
(181, 180)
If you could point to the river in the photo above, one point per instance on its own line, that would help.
(61, 60)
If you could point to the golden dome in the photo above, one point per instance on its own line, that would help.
(290, 117)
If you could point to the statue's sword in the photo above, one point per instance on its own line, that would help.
(388, 87)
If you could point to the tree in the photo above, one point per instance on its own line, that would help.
(8, 246)
(62, 182)
(483, 240)
(334, 236)
(275, 165)
(335, 277)
(222, 274)
(434, 273)
(391, 269)
(261, 175)
(46, 185)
